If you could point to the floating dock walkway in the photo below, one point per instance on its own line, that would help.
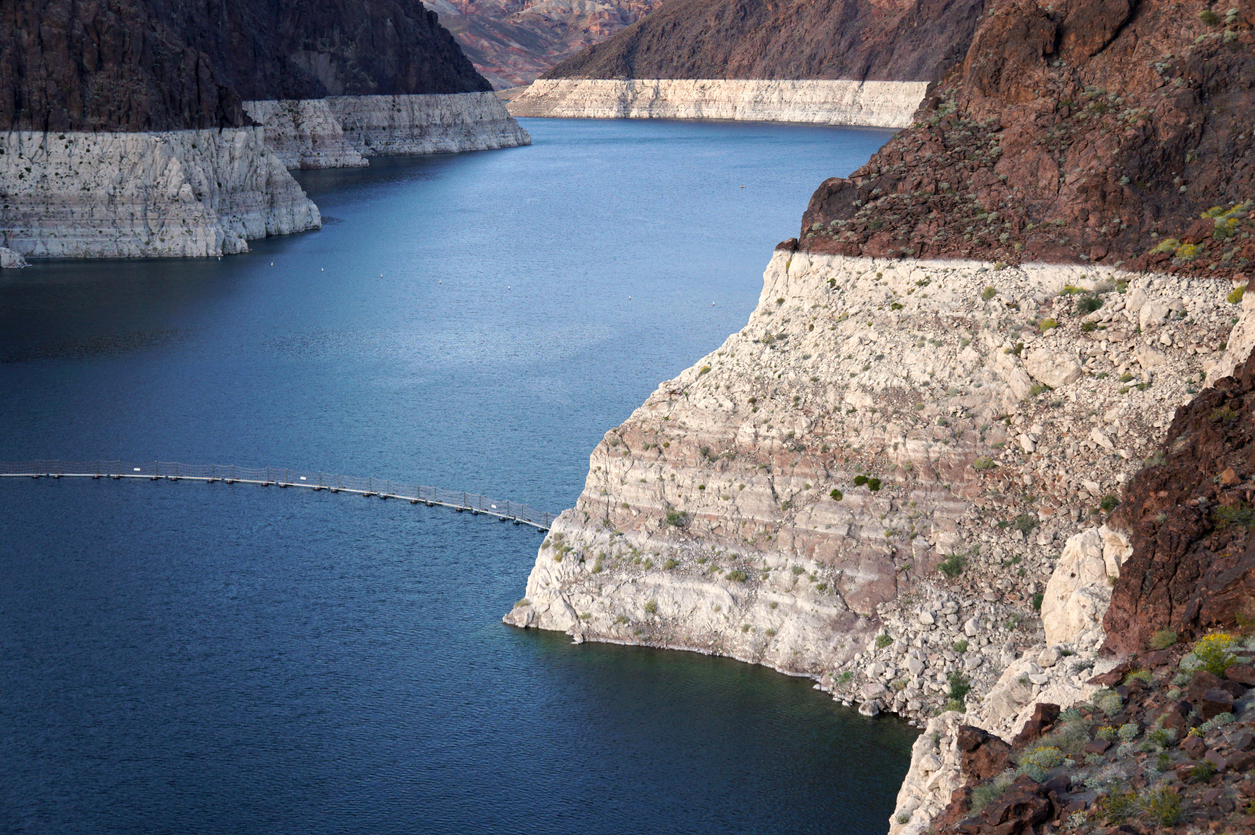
(459, 501)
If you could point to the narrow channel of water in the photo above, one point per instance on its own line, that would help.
(189, 657)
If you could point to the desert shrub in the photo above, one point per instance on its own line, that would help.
(1213, 653)
(737, 575)
(988, 792)
(1109, 702)
(1088, 304)
(1163, 639)
(959, 687)
(953, 565)
(1116, 807)
(1161, 806)
(678, 518)
(1024, 523)
(988, 293)
(883, 640)
(1236, 294)
(860, 480)
(1241, 514)
(983, 463)
(1128, 732)
(1045, 756)
(836, 495)
(652, 607)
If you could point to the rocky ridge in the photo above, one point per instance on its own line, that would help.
(1073, 132)
(868, 103)
(1184, 720)
(885, 40)
(511, 42)
(695, 59)
(797, 499)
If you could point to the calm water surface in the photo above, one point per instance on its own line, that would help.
(180, 657)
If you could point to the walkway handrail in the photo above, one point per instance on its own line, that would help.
(506, 511)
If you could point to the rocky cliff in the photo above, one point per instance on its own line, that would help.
(900, 477)
(872, 482)
(135, 65)
(1072, 132)
(897, 40)
(511, 42)
(803, 46)
(889, 104)
(131, 122)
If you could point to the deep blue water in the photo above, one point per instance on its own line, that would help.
(181, 657)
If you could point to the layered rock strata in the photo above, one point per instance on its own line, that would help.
(343, 131)
(870, 482)
(304, 134)
(172, 193)
(432, 124)
(868, 103)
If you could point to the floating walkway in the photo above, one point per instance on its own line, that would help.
(281, 477)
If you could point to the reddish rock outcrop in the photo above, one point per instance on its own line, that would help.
(893, 40)
(1193, 562)
(1074, 131)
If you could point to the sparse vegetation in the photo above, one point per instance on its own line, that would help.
(952, 566)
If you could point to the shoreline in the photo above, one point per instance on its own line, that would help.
(884, 104)
(734, 512)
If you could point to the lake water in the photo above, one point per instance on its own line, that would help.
(182, 657)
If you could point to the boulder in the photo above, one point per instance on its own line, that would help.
(1052, 368)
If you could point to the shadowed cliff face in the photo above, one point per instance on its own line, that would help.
(1193, 562)
(167, 64)
(898, 40)
(1073, 131)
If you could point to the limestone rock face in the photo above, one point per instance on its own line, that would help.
(304, 134)
(116, 195)
(869, 103)
(853, 488)
(1077, 595)
(10, 259)
(435, 124)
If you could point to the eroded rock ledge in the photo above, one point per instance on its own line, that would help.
(343, 131)
(170, 193)
(888, 104)
(792, 498)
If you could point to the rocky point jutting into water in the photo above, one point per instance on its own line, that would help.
(899, 477)
(817, 61)
(129, 129)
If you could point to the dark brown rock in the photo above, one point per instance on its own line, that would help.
(982, 754)
(1194, 747)
(1241, 673)
(171, 64)
(1021, 153)
(1215, 702)
(1097, 746)
(788, 39)
(1044, 717)
(1192, 569)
